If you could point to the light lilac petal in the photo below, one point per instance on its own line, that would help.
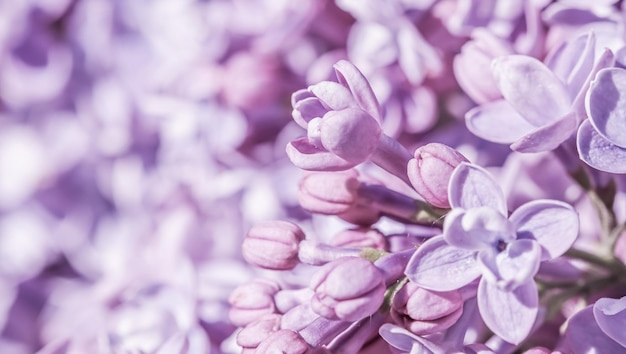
(514, 266)
(334, 95)
(497, 122)
(441, 267)
(611, 317)
(552, 223)
(548, 137)
(351, 77)
(308, 157)
(509, 314)
(606, 60)
(583, 335)
(471, 187)
(307, 109)
(406, 341)
(476, 229)
(573, 62)
(565, 58)
(299, 96)
(598, 152)
(531, 88)
(606, 105)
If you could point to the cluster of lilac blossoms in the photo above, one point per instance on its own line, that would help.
(312, 176)
(443, 239)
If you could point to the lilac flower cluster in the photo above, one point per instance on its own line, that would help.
(427, 233)
(312, 176)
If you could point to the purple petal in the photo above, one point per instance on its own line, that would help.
(552, 223)
(351, 77)
(514, 266)
(351, 134)
(548, 137)
(406, 341)
(509, 314)
(531, 88)
(308, 157)
(611, 317)
(583, 335)
(477, 228)
(598, 152)
(573, 61)
(497, 122)
(606, 104)
(333, 95)
(471, 187)
(441, 267)
(606, 60)
(307, 109)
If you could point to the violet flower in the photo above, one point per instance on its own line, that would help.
(601, 139)
(598, 328)
(348, 289)
(539, 110)
(343, 126)
(479, 238)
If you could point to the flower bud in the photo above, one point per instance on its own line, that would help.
(430, 170)
(424, 311)
(363, 237)
(283, 341)
(472, 67)
(347, 289)
(273, 245)
(251, 301)
(254, 333)
(329, 193)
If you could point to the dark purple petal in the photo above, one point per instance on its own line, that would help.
(552, 223)
(598, 152)
(611, 317)
(548, 137)
(497, 122)
(606, 104)
(471, 187)
(441, 267)
(509, 314)
(531, 88)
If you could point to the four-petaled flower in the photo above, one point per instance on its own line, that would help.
(480, 239)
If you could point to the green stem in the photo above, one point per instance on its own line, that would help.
(591, 258)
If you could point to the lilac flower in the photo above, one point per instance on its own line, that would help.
(347, 289)
(539, 110)
(601, 139)
(597, 328)
(343, 126)
(429, 172)
(251, 301)
(424, 311)
(479, 238)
